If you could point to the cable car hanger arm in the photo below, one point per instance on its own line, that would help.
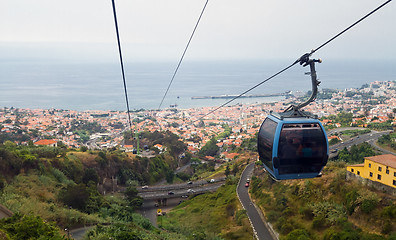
(305, 61)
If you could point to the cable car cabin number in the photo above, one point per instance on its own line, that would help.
(292, 148)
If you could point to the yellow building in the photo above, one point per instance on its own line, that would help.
(380, 168)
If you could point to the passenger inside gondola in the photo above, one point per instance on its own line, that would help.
(290, 145)
(298, 149)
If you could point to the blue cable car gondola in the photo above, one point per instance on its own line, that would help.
(293, 144)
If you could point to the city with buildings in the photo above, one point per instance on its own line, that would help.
(374, 102)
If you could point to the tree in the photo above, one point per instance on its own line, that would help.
(90, 174)
(131, 195)
(334, 141)
(169, 176)
(235, 169)
(75, 196)
(357, 153)
(210, 148)
(385, 139)
(344, 118)
(83, 148)
(60, 144)
(227, 171)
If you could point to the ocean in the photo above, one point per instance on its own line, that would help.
(99, 86)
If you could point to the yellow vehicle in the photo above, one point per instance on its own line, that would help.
(159, 212)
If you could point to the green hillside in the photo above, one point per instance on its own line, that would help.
(58, 188)
(54, 188)
(329, 207)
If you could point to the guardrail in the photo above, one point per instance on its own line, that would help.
(179, 186)
(165, 193)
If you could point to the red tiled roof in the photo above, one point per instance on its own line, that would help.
(331, 137)
(45, 142)
(386, 159)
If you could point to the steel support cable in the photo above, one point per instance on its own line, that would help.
(301, 60)
(122, 65)
(250, 89)
(346, 29)
(184, 53)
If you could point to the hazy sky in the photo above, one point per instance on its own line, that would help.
(229, 29)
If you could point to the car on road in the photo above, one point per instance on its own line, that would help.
(191, 190)
(189, 182)
(145, 187)
(247, 184)
(170, 193)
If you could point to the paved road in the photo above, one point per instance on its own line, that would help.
(178, 192)
(369, 137)
(78, 233)
(149, 210)
(181, 189)
(177, 186)
(335, 130)
(373, 143)
(259, 227)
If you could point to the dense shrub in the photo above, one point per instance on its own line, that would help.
(332, 212)
(319, 222)
(298, 234)
(389, 211)
(368, 205)
(306, 213)
(29, 227)
(131, 195)
(90, 174)
(367, 200)
(351, 198)
(81, 197)
(239, 216)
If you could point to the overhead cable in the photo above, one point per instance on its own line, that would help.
(122, 65)
(300, 60)
(184, 53)
(346, 29)
(250, 89)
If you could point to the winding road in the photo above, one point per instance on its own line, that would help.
(261, 229)
(368, 137)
